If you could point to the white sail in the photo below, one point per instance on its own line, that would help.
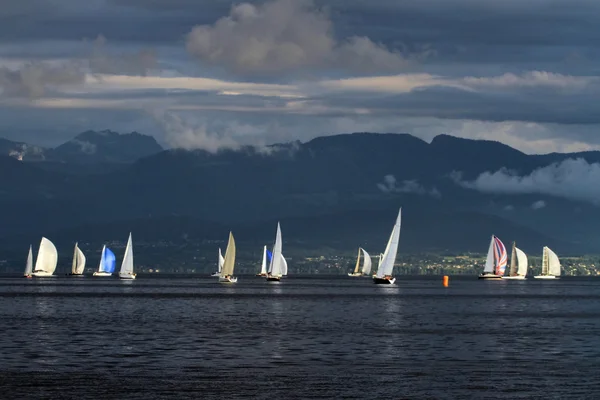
(284, 269)
(379, 262)
(78, 265)
(553, 263)
(221, 260)
(275, 267)
(367, 264)
(263, 266)
(489, 262)
(521, 262)
(357, 266)
(100, 267)
(229, 260)
(127, 264)
(513, 260)
(545, 260)
(29, 263)
(47, 257)
(386, 265)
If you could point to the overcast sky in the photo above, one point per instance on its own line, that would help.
(209, 74)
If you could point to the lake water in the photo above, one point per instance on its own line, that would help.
(189, 337)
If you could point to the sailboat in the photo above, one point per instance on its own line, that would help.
(46, 261)
(496, 261)
(78, 265)
(221, 261)
(267, 255)
(366, 269)
(550, 265)
(28, 264)
(276, 266)
(107, 263)
(386, 265)
(126, 271)
(518, 264)
(228, 263)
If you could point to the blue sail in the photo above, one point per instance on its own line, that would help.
(109, 261)
(269, 256)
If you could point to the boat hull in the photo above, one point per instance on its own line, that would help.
(127, 276)
(384, 281)
(232, 279)
(215, 274)
(76, 275)
(490, 276)
(42, 274)
(273, 278)
(263, 275)
(355, 274)
(516, 277)
(97, 273)
(26, 276)
(545, 277)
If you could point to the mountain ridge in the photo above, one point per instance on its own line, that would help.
(332, 175)
(89, 147)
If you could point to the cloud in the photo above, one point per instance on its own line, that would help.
(509, 207)
(33, 80)
(389, 185)
(283, 36)
(36, 79)
(85, 146)
(180, 134)
(538, 205)
(532, 79)
(103, 61)
(574, 179)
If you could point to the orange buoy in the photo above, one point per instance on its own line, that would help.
(445, 280)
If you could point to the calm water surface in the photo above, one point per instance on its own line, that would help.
(320, 337)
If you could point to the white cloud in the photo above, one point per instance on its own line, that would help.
(532, 79)
(282, 36)
(389, 185)
(181, 134)
(572, 179)
(537, 205)
(124, 82)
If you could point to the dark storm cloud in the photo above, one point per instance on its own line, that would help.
(457, 104)
(460, 31)
(474, 55)
(464, 31)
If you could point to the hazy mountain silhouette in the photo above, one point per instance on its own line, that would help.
(328, 179)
